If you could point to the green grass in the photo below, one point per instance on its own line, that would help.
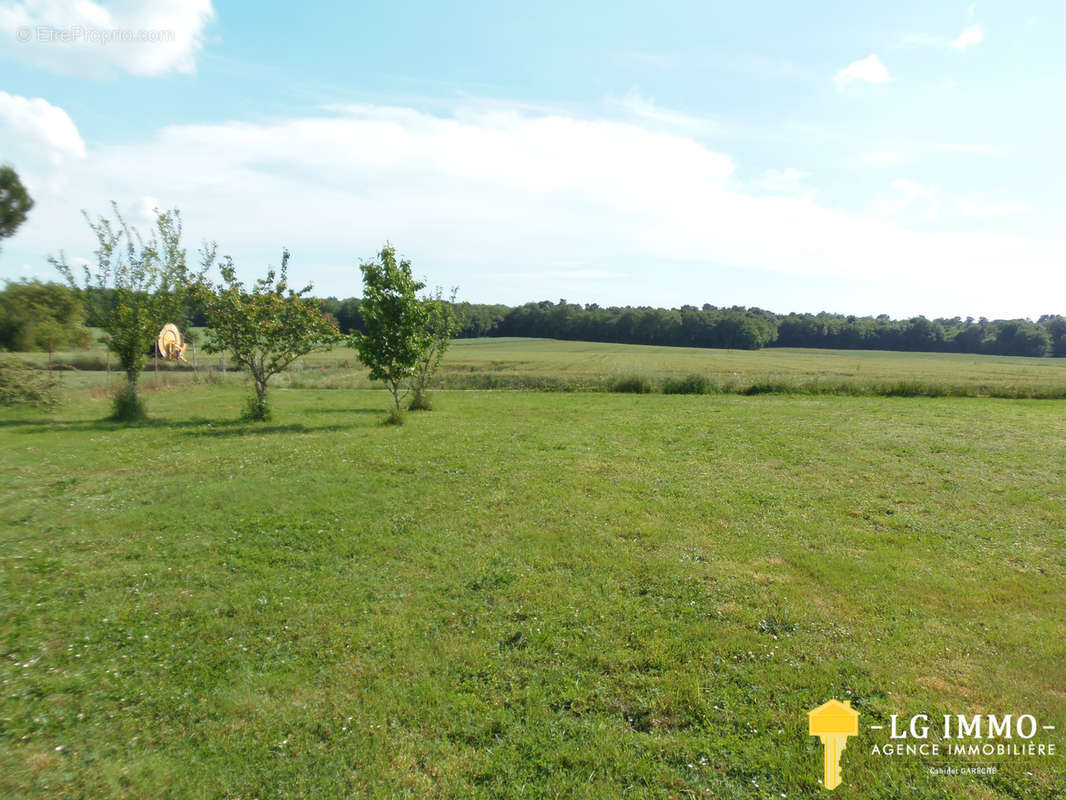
(523, 594)
(546, 364)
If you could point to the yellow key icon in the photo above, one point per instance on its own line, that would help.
(833, 723)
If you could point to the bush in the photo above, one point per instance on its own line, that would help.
(690, 384)
(256, 409)
(21, 384)
(630, 383)
(420, 401)
(126, 406)
(394, 418)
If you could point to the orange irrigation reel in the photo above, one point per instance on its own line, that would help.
(170, 344)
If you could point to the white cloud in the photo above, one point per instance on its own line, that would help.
(486, 192)
(784, 181)
(912, 191)
(788, 174)
(97, 39)
(644, 108)
(44, 126)
(969, 37)
(931, 202)
(983, 205)
(39, 140)
(868, 70)
(972, 35)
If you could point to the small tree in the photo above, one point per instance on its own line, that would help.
(265, 329)
(15, 202)
(395, 321)
(145, 279)
(441, 325)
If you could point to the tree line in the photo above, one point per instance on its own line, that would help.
(743, 328)
(33, 313)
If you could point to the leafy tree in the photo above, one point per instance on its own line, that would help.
(34, 315)
(1056, 328)
(265, 328)
(394, 318)
(15, 202)
(20, 383)
(145, 280)
(441, 325)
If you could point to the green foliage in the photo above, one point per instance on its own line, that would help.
(630, 383)
(265, 328)
(34, 315)
(22, 384)
(256, 409)
(15, 202)
(441, 324)
(145, 279)
(127, 406)
(690, 384)
(395, 339)
(420, 401)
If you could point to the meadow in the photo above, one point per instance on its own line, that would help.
(547, 364)
(530, 593)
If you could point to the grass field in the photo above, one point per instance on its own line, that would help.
(529, 594)
(549, 364)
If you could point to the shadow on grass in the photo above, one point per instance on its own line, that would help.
(193, 427)
(341, 411)
(217, 429)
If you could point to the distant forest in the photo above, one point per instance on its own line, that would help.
(34, 313)
(746, 328)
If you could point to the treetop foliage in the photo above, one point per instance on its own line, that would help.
(15, 202)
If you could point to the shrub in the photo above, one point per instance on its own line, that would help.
(21, 384)
(126, 406)
(630, 383)
(256, 409)
(420, 401)
(394, 418)
(690, 384)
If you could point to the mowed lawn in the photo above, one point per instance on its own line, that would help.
(523, 594)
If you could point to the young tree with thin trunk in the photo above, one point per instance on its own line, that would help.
(441, 325)
(395, 321)
(145, 279)
(265, 328)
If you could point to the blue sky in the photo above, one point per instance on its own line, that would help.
(861, 158)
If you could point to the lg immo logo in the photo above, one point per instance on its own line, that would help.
(833, 723)
(952, 737)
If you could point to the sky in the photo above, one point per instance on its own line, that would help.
(902, 158)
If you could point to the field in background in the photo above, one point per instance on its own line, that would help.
(550, 364)
(525, 594)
